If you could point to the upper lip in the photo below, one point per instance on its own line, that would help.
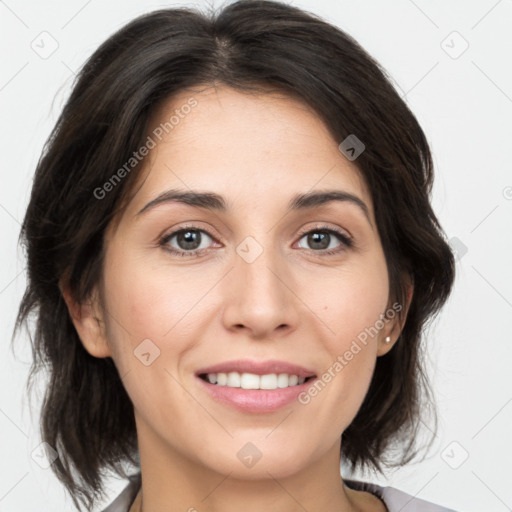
(258, 368)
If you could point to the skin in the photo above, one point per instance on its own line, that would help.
(292, 303)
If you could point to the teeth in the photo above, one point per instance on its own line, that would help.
(253, 381)
(293, 380)
(268, 381)
(234, 380)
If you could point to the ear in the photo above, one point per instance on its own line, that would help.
(393, 326)
(89, 322)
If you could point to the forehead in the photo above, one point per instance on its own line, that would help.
(257, 147)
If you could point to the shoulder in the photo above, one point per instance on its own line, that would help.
(395, 499)
(125, 500)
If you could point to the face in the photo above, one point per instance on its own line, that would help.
(256, 287)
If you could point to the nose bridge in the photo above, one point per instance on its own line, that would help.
(259, 295)
(258, 267)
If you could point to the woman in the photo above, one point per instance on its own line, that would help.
(231, 256)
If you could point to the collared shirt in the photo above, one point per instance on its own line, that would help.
(394, 499)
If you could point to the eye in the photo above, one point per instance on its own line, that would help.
(321, 238)
(194, 241)
(187, 241)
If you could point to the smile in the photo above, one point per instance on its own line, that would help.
(253, 381)
(253, 386)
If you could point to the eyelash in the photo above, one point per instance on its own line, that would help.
(347, 242)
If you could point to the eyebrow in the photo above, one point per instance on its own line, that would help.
(215, 202)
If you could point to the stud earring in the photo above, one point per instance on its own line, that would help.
(387, 339)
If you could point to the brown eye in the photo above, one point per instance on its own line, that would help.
(187, 241)
(324, 240)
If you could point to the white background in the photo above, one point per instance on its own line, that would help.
(464, 105)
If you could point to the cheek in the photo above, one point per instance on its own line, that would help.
(148, 302)
(351, 307)
(150, 310)
(352, 303)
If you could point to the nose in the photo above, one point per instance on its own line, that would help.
(259, 297)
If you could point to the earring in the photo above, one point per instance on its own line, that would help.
(387, 339)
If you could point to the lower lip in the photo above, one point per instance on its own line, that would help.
(255, 400)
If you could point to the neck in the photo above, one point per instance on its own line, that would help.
(171, 481)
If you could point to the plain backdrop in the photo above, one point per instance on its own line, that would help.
(450, 60)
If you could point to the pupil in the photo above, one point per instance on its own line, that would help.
(192, 239)
(189, 240)
(322, 238)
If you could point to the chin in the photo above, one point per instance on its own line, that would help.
(253, 461)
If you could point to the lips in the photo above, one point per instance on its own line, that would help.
(257, 368)
(255, 400)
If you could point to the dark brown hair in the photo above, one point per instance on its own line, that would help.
(87, 416)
